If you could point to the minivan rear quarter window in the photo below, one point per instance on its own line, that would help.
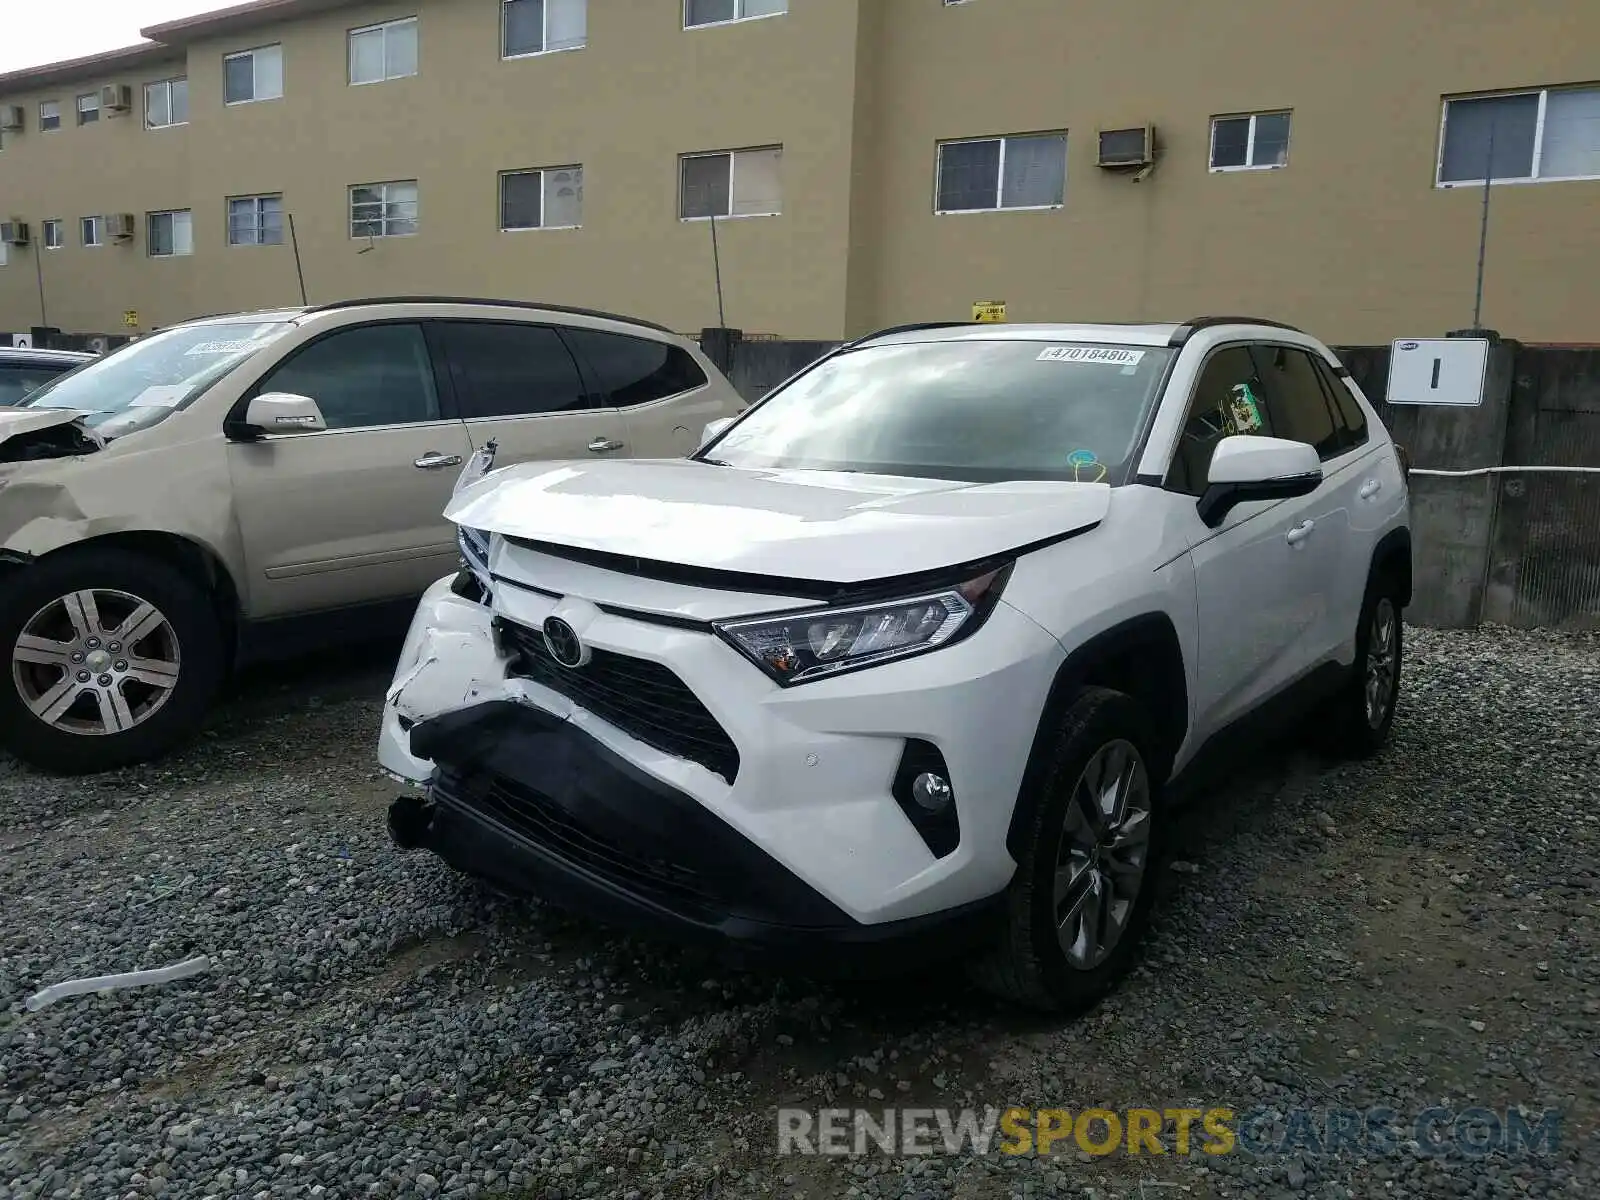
(633, 370)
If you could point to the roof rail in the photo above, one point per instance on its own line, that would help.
(567, 309)
(912, 328)
(1194, 324)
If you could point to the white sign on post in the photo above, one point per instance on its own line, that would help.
(22, 341)
(1445, 371)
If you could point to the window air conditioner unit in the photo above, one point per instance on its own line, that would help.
(1131, 147)
(11, 118)
(116, 97)
(14, 232)
(119, 227)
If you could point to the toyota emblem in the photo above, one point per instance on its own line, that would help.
(563, 643)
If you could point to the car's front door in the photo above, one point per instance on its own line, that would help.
(519, 386)
(353, 513)
(1257, 575)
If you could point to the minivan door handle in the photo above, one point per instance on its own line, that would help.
(433, 460)
(601, 444)
(1299, 533)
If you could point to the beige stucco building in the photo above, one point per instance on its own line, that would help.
(1301, 160)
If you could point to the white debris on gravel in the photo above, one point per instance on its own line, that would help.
(1414, 931)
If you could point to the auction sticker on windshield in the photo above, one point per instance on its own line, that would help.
(1111, 356)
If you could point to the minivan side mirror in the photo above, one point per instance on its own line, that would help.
(284, 412)
(1245, 467)
(713, 428)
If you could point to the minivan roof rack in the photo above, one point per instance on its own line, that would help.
(567, 309)
(1188, 328)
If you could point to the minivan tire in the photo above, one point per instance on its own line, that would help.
(27, 595)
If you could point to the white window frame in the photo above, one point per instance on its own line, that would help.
(1000, 179)
(732, 157)
(174, 213)
(737, 19)
(1538, 140)
(260, 222)
(92, 231)
(544, 36)
(384, 186)
(541, 226)
(94, 107)
(254, 79)
(59, 227)
(55, 104)
(1250, 141)
(382, 27)
(168, 85)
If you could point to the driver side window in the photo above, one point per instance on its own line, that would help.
(1227, 400)
(368, 375)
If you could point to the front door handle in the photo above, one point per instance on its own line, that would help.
(1299, 533)
(1370, 488)
(433, 460)
(601, 444)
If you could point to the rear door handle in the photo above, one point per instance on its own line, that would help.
(1299, 533)
(601, 444)
(433, 460)
(1370, 488)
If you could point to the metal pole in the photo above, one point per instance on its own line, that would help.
(716, 264)
(1483, 233)
(38, 270)
(298, 270)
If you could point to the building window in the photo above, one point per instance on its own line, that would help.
(1545, 135)
(255, 221)
(93, 230)
(541, 26)
(551, 198)
(253, 75)
(166, 103)
(381, 52)
(383, 209)
(89, 108)
(720, 12)
(1250, 142)
(49, 115)
(171, 234)
(54, 237)
(990, 174)
(731, 183)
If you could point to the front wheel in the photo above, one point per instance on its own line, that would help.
(112, 658)
(1080, 900)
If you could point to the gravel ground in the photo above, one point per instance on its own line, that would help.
(1416, 931)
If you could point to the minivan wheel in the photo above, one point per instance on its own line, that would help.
(1080, 900)
(111, 659)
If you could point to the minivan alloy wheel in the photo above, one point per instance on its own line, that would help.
(96, 662)
(1104, 848)
(1380, 662)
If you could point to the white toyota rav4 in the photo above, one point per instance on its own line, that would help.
(908, 656)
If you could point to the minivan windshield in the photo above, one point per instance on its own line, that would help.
(979, 411)
(164, 371)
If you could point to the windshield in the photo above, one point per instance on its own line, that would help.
(975, 411)
(163, 371)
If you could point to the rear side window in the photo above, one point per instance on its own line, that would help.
(501, 369)
(16, 382)
(635, 370)
(369, 375)
(1353, 422)
(1300, 408)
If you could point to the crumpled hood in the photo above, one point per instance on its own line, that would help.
(828, 526)
(20, 426)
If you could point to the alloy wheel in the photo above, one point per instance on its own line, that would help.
(96, 662)
(1104, 849)
(1381, 662)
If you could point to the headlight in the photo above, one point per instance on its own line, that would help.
(819, 642)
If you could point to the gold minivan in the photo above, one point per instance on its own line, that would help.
(249, 486)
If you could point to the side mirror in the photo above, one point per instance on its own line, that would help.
(713, 428)
(284, 412)
(1244, 468)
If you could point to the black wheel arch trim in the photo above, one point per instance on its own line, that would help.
(1394, 547)
(1108, 651)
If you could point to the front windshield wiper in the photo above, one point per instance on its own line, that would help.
(715, 462)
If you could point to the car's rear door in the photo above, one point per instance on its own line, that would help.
(664, 396)
(518, 385)
(353, 513)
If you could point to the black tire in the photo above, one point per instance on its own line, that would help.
(190, 621)
(1029, 965)
(1347, 729)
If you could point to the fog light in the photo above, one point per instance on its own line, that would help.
(931, 792)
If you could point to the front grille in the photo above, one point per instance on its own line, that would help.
(644, 699)
(535, 817)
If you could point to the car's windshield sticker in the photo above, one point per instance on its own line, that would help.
(163, 395)
(1245, 409)
(1111, 356)
(1086, 466)
(229, 347)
